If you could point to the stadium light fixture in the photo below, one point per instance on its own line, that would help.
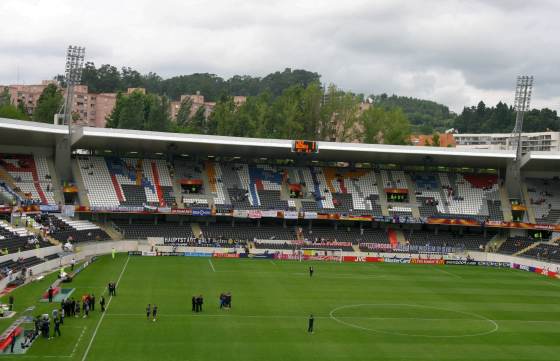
(75, 56)
(522, 104)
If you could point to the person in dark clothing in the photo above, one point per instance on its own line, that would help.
(13, 343)
(154, 312)
(11, 302)
(148, 311)
(56, 327)
(311, 271)
(92, 302)
(50, 294)
(200, 302)
(194, 304)
(310, 324)
(102, 303)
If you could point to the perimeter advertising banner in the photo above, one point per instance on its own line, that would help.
(426, 261)
(290, 215)
(255, 214)
(538, 270)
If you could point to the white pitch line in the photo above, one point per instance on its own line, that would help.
(78, 342)
(104, 313)
(274, 263)
(211, 265)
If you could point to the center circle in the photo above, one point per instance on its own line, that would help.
(413, 320)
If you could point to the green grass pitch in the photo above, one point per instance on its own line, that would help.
(362, 312)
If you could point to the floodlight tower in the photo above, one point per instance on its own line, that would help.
(523, 93)
(75, 56)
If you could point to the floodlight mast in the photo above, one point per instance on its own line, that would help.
(75, 56)
(523, 92)
(522, 103)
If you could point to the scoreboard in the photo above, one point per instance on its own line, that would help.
(305, 146)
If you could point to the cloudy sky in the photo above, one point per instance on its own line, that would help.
(451, 51)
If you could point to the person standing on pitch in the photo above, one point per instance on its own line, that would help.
(154, 312)
(56, 327)
(310, 271)
(102, 303)
(310, 324)
(92, 302)
(194, 303)
(148, 312)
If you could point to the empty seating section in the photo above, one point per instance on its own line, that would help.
(16, 239)
(98, 182)
(143, 230)
(247, 231)
(31, 175)
(544, 197)
(515, 244)
(18, 265)
(64, 229)
(544, 251)
(457, 195)
(470, 241)
(114, 181)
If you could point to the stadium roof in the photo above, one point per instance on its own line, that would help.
(119, 140)
(542, 161)
(32, 134)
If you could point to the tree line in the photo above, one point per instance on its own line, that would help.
(299, 112)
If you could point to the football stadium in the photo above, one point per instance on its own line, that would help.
(137, 245)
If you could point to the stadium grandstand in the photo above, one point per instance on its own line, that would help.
(68, 196)
(97, 184)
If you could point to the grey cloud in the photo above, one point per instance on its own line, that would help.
(455, 52)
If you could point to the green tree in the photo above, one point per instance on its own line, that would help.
(435, 140)
(385, 126)
(48, 105)
(184, 113)
(5, 97)
(340, 112)
(12, 112)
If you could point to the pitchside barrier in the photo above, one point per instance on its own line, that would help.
(85, 250)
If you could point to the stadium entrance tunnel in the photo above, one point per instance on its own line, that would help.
(413, 320)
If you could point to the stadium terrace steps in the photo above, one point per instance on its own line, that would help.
(196, 230)
(113, 233)
(157, 184)
(30, 174)
(78, 179)
(412, 196)
(58, 195)
(393, 239)
(11, 183)
(526, 249)
(530, 213)
(382, 195)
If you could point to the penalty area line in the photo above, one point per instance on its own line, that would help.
(104, 313)
(211, 265)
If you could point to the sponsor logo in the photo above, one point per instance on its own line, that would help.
(426, 261)
(197, 254)
(396, 260)
(225, 255)
(455, 261)
(201, 212)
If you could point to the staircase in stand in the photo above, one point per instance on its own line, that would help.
(157, 184)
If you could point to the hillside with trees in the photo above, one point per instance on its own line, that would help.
(299, 112)
(501, 119)
(425, 116)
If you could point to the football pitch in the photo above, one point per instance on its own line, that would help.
(362, 311)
